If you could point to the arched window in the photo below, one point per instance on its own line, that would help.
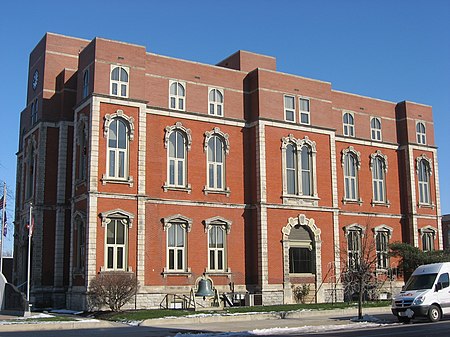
(378, 166)
(177, 227)
(216, 248)
(34, 111)
(306, 159)
(216, 167)
(81, 148)
(382, 235)
(354, 234)
(291, 169)
(118, 149)
(375, 129)
(176, 96)
(216, 147)
(299, 171)
(177, 159)
(428, 234)
(216, 102)
(348, 124)
(421, 133)
(30, 170)
(351, 164)
(119, 81)
(79, 238)
(424, 173)
(85, 83)
(117, 224)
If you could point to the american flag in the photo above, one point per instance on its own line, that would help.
(2, 201)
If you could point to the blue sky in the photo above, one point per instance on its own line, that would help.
(392, 50)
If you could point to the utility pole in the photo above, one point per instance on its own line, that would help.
(3, 227)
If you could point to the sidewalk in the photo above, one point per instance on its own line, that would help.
(218, 322)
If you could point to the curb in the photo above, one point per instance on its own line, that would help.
(61, 325)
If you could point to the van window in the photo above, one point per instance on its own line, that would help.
(444, 280)
(423, 281)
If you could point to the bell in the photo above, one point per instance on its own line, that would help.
(204, 288)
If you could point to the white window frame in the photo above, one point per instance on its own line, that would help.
(216, 166)
(348, 127)
(125, 218)
(351, 182)
(185, 225)
(424, 173)
(375, 129)
(304, 112)
(299, 196)
(379, 190)
(118, 155)
(120, 83)
(186, 133)
(289, 109)
(216, 254)
(225, 226)
(292, 171)
(224, 138)
(177, 101)
(421, 133)
(129, 124)
(216, 102)
(174, 161)
(354, 248)
(85, 91)
(382, 235)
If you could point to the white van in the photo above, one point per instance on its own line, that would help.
(426, 294)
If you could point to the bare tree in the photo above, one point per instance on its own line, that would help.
(360, 257)
(113, 289)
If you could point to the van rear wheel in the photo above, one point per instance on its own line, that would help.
(434, 313)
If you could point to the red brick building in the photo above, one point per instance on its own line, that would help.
(173, 169)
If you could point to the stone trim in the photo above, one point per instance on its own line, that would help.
(217, 221)
(126, 217)
(178, 126)
(179, 219)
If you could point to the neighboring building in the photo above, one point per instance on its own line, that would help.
(446, 230)
(172, 169)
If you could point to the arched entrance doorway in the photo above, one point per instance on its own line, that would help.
(302, 263)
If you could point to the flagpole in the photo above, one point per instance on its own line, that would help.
(30, 232)
(3, 227)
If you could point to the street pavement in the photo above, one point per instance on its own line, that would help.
(207, 323)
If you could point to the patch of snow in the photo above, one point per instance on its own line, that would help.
(66, 311)
(283, 331)
(366, 318)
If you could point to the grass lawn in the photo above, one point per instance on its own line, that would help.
(139, 315)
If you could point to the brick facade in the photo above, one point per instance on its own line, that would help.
(78, 197)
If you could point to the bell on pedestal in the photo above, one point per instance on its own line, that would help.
(204, 288)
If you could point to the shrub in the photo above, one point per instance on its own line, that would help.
(112, 289)
(300, 292)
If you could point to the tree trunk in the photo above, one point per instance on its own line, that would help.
(360, 299)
